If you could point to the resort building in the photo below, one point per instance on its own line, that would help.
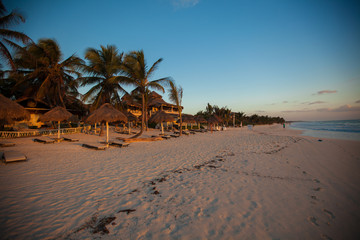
(155, 103)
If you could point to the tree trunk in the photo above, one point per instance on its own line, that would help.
(142, 118)
(180, 122)
(101, 130)
(146, 120)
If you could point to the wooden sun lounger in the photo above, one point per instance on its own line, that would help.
(166, 137)
(117, 144)
(6, 144)
(43, 140)
(174, 136)
(71, 139)
(149, 139)
(14, 156)
(57, 139)
(93, 146)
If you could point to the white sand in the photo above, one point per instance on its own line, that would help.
(268, 183)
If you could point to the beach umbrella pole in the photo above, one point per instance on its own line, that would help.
(162, 128)
(107, 132)
(58, 129)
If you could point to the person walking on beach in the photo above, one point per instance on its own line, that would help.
(283, 125)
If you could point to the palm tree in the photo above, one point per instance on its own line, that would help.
(139, 74)
(43, 75)
(104, 69)
(7, 35)
(175, 95)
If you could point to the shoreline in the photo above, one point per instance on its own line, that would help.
(265, 183)
(333, 131)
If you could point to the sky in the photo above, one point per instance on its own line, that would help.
(297, 59)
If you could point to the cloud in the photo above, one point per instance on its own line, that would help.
(285, 101)
(316, 102)
(325, 92)
(184, 3)
(344, 108)
(358, 101)
(297, 111)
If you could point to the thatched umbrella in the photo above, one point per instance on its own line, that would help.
(200, 119)
(106, 113)
(161, 117)
(187, 118)
(11, 111)
(58, 114)
(213, 120)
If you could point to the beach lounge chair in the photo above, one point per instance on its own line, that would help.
(58, 139)
(13, 156)
(174, 135)
(44, 140)
(117, 144)
(94, 146)
(166, 137)
(7, 144)
(71, 139)
(186, 133)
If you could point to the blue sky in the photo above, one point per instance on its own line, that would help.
(296, 59)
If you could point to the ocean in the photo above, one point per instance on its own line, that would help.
(345, 129)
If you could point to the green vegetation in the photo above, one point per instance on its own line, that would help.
(38, 72)
(139, 75)
(227, 116)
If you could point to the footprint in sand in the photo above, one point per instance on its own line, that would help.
(329, 213)
(326, 237)
(313, 220)
(316, 180)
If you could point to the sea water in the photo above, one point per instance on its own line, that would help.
(345, 129)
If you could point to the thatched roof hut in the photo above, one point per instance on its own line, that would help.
(213, 119)
(11, 111)
(187, 118)
(200, 119)
(131, 117)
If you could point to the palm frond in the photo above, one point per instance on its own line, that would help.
(13, 18)
(6, 54)
(156, 86)
(153, 68)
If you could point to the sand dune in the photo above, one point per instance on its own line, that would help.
(269, 183)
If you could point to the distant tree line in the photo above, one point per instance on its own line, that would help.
(227, 116)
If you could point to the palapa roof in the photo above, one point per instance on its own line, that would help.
(161, 116)
(187, 118)
(213, 119)
(200, 119)
(128, 100)
(56, 114)
(155, 100)
(154, 94)
(106, 113)
(32, 103)
(11, 111)
(130, 116)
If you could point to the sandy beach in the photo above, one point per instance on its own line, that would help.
(266, 183)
